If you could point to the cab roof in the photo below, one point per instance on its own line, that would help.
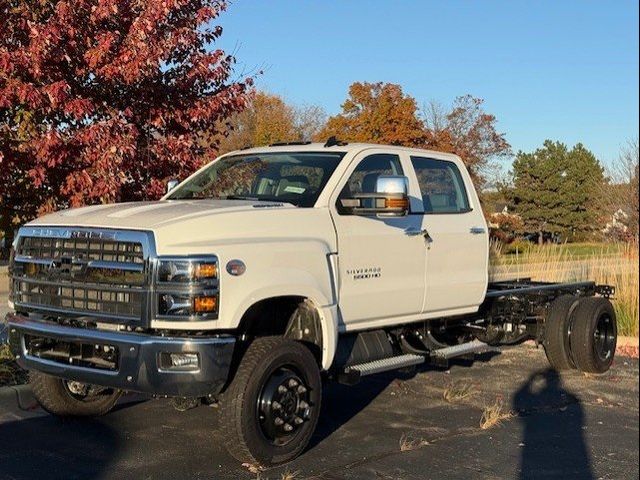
(342, 148)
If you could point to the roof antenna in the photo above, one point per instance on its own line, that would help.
(332, 141)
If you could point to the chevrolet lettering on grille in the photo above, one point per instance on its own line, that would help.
(66, 233)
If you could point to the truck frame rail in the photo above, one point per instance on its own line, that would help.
(526, 286)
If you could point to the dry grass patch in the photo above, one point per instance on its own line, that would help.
(289, 475)
(409, 442)
(10, 372)
(458, 391)
(494, 414)
(255, 469)
(611, 264)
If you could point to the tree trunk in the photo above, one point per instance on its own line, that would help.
(540, 238)
(7, 228)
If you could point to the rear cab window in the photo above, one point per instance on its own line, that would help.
(441, 186)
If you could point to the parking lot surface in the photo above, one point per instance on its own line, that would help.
(390, 426)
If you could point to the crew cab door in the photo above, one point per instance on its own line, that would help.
(457, 236)
(381, 265)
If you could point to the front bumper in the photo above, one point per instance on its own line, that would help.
(138, 358)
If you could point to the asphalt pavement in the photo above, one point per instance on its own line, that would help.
(390, 426)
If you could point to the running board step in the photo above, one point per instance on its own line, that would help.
(461, 350)
(352, 374)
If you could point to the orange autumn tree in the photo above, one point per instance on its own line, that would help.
(265, 120)
(378, 113)
(268, 119)
(383, 113)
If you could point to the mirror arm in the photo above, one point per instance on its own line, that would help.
(392, 204)
(172, 184)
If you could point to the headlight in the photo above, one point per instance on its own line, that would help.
(187, 288)
(187, 270)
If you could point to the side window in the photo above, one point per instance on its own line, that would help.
(441, 186)
(363, 179)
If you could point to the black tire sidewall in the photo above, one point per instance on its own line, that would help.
(53, 396)
(557, 326)
(583, 345)
(291, 354)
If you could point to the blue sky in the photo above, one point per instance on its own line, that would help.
(564, 70)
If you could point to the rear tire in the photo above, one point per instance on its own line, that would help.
(557, 327)
(65, 398)
(271, 408)
(594, 335)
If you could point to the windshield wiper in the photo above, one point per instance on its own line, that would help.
(242, 197)
(257, 199)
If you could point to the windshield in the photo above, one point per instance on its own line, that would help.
(292, 177)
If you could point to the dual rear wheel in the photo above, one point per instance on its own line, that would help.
(581, 332)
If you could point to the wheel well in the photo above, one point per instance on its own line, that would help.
(275, 316)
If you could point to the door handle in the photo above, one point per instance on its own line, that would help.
(477, 230)
(412, 232)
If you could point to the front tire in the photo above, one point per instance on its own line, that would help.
(66, 398)
(271, 408)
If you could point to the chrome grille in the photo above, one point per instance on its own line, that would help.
(117, 302)
(82, 272)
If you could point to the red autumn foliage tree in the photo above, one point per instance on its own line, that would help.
(102, 100)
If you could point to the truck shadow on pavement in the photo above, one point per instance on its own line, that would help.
(553, 444)
(340, 403)
(52, 448)
(60, 448)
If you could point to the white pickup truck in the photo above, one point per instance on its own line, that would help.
(269, 271)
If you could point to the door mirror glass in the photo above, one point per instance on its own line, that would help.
(389, 198)
(392, 184)
(171, 184)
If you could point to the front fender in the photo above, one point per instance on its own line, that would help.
(281, 282)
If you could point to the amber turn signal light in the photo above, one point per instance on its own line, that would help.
(397, 203)
(205, 304)
(206, 270)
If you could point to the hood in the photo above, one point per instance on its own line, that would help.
(151, 215)
(188, 226)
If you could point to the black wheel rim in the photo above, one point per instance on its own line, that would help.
(604, 337)
(85, 392)
(283, 406)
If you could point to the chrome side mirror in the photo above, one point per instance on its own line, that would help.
(171, 184)
(392, 184)
(389, 199)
